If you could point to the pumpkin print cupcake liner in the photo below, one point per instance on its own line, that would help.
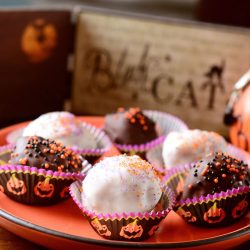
(102, 140)
(125, 227)
(219, 209)
(154, 157)
(165, 122)
(33, 186)
(91, 154)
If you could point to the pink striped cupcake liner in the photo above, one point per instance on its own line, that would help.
(125, 227)
(219, 209)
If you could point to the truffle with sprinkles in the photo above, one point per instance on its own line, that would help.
(121, 184)
(216, 173)
(38, 152)
(130, 127)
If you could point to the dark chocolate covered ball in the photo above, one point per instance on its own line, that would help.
(217, 172)
(44, 153)
(130, 127)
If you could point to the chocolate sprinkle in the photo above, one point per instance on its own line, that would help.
(218, 172)
(45, 153)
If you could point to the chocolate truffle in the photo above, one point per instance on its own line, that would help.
(216, 173)
(130, 127)
(121, 184)
(190, 146)
(45, 153)
(62, 127)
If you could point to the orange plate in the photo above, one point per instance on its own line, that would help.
(62, 226)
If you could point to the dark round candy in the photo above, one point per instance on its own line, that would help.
(217, 172)
(44, 153)
(130, 127)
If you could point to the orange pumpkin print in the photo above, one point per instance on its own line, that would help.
(240, 209)
(65, 192)
(240, 130)
(16, 186)
(44, 189)
(153, 229)
(101, 229)
(38, 40)
(131, 230)
(1, 189)
(186, 215)
(214, 214)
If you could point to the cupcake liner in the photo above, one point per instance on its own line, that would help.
(154, 156)
(125, 227)
(33, 186)
(91, 154)
(166, 123)
(219, 209)
(102, 140)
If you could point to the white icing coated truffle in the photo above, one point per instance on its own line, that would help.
(62, 127)
(121, 184)
(190, 146)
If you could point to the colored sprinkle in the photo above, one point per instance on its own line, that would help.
(48, 149)
(205, 170)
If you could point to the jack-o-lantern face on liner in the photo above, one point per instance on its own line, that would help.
(38, 40)
(101, 229)
(65, 192)
(131, 230)
(240, 209)
(16, 186)
(214, 214)
(153, 230)
(44, 189)
(186, 215)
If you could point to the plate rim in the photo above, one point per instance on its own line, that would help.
(124, 244)
(110, 243)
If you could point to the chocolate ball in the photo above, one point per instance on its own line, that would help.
(217, 172)
(45, 153)
(130, 127)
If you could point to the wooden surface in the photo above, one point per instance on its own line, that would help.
(9, 241)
